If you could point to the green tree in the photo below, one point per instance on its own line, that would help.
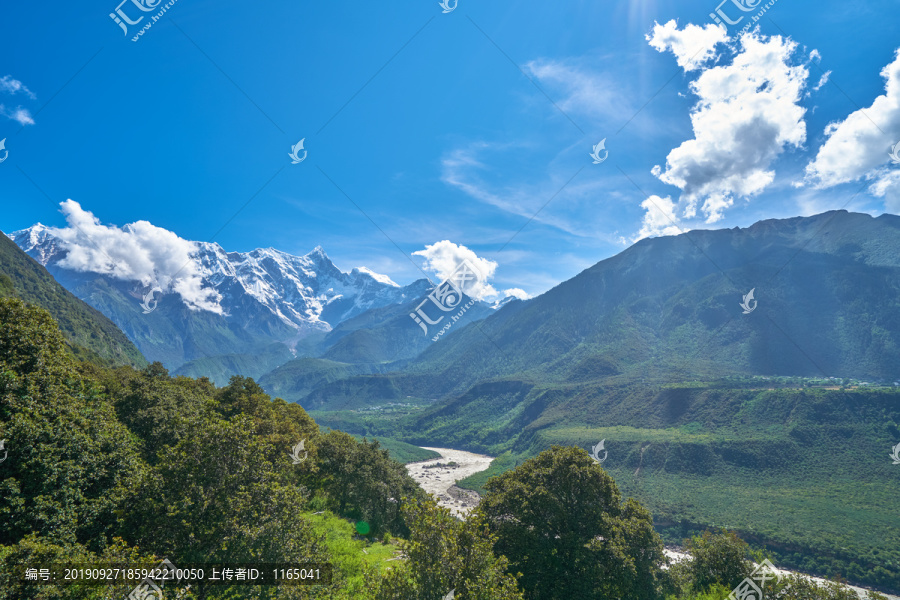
(559, 519)
(444, 554)
(717, 558)
(363, 482)
(71, 465)
(225, 493)
(36, 552)
(157, 408)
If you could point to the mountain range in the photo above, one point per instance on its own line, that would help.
(274, 306)
(825, 304)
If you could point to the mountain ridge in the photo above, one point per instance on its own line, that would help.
(91, 335)
(267, 296)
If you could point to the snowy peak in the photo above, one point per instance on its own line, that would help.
(305, 292)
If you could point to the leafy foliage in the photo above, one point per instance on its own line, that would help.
(71, 464)
(717, 559)
(122, 465)
(559, 519)
(444, 554)
(363, 482)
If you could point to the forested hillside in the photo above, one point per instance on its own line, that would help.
(118, 465)
(88, 333)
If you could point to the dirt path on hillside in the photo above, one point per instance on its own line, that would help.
(440, 481)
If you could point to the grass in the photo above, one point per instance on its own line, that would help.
(355, 559)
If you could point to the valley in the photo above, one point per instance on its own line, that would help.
(712, 419)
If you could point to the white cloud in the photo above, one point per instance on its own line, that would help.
(659, 218)
(516, 293)
(444, 258)
(858, 147)
(822, 81)
(747, 113)
(11, 86)
(887, 186)
(139, 251)
(692, 46)
(22, 115)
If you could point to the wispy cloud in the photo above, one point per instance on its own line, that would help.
(19, 114)
(11, 87)
(578, 89)
(548, 198)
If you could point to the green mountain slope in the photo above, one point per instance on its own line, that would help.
(219, 369)
(90, 335)
(605, 355)
(668, 309)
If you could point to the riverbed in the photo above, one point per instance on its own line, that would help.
(440, 481)
(677, 556)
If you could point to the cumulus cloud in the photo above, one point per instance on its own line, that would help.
(887, 186)
(445, 258)
(747, 113)
(517, 293)
(857, 147)
(659, 218)
(692, 46)
(11, 86)
(138, 251)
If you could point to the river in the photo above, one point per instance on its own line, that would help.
(441, 483)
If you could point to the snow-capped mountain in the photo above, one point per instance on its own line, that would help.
(262, 297)
(306, 292)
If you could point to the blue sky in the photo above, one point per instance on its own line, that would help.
(473, 126)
